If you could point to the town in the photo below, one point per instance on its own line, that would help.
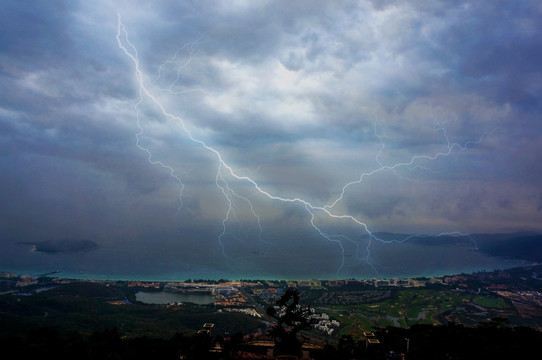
(337, 309)
(345, 306)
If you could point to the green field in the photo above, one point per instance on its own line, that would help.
(491, 302)
(406, 308)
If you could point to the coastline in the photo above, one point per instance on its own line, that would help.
(171, 277)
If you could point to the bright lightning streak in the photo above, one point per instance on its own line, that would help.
(224, 169)
(412, 161)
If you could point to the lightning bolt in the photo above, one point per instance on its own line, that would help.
(409, 163)
(150, 159)
(224, 170)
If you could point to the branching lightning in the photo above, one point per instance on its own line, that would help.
(171, 171)
(411, 162)
(224, 170)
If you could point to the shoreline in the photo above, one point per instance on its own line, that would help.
(164, 278)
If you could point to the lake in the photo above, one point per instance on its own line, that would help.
(163, 297)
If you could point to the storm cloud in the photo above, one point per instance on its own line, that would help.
(438, 103)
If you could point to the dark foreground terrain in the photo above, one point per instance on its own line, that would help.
(491, 340)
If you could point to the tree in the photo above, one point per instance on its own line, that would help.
(291, 318)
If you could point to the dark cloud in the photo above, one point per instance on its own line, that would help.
(427, 109)
(36, 32)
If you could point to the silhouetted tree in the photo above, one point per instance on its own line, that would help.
(291, 318)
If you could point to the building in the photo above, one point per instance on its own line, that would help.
(207, 328)
(224, 290)
(309, 283)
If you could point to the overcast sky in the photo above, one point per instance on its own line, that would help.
(232, 135)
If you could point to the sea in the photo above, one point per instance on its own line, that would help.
(407, 260)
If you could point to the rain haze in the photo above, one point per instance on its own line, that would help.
(261, 139)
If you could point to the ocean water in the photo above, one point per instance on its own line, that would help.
(386, 260)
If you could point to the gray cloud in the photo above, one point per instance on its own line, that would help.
(301, 97)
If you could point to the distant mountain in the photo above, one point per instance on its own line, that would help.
(485, 239)
(62, 246)
(519, 245)
(525, 248)
(428, 240)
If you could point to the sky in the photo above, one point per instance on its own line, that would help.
(272, 138)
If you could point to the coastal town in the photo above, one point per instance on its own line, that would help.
(249, 312)
(341, 306)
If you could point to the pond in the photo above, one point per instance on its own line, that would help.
(163, 297)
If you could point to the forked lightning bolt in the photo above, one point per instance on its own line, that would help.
(224, 169)
(157, 162)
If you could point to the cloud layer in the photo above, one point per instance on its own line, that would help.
(302, 98)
